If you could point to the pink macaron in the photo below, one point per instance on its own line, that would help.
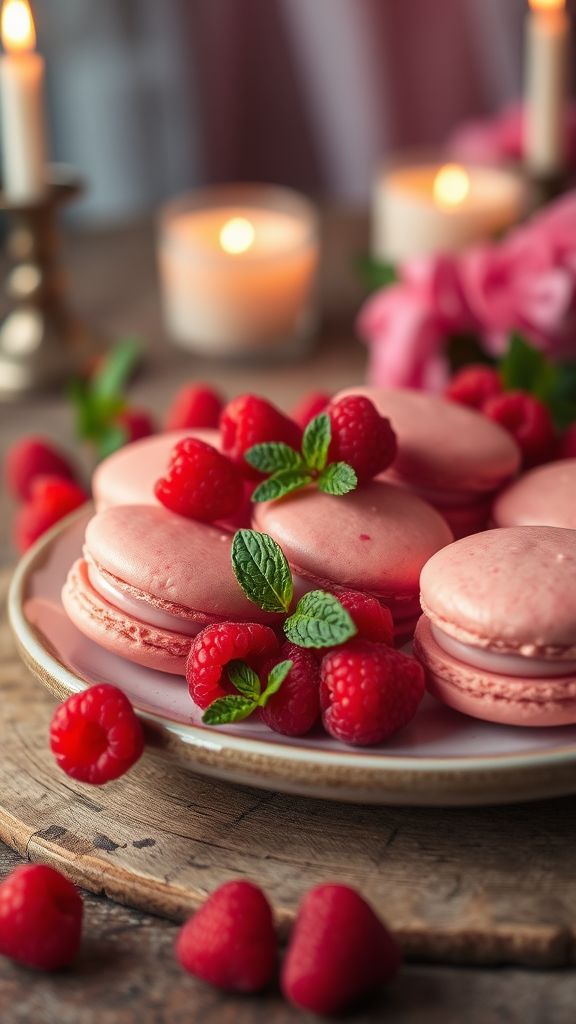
(149, 581)
(498, 633)
(128, 476)
(545, 496)
(451, 456)
(374, 540)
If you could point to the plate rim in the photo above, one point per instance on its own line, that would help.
(361, 767)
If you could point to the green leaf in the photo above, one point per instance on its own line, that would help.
(338, 478)
(275, 679)
(375, 274)
(228, 709)
(316, 441)
(273, 457)
(262, 571)
(319, 621)
(110, 439)
(279, 484)
(244, 679)
(111, 379)
(525, 368)
(562, 397)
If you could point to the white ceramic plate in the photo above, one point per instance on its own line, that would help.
(441, 758)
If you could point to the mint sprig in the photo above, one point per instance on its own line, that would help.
(525, 368)
(226, 710)
(99, 399)
(319, 621)
(291, 470)
(261, 568)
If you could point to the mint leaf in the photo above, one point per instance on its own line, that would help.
(262, 571)
(273, 457)
(375, 275)
(228, 709)
(525, 368)
(319, 621)
(110, 439)
(244, 679)
(275, 679)
(338, 478)
(316, 441)
(111, 379)
(279, 484)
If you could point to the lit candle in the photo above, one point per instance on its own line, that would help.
(238, 267)
(426, 208)
(547, 33)
(21, 105)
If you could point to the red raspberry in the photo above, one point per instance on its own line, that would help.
(310, 406)
(194, 406)
(567, 444)
(361, 437)
(249, 420)
(200, 483)
(231, 941)
(295, 708)
(373, 620)
(40, 918)
(218, 644)
(137, 423)
(30, 458)
(529, 422)
(474, 385)
(368, 692)
(339, 952)
(95, 735)
(51, 499)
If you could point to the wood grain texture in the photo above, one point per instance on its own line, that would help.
(477, 886)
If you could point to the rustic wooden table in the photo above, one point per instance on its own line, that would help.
(126, 972)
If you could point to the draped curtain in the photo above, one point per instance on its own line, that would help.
(150, 97)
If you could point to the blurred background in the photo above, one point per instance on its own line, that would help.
(149, 97)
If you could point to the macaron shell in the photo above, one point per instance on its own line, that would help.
(118, 632)
(506, 589)
(545, 496)
(375, 539)
(444, 445)
(170, 560)
(497, 698)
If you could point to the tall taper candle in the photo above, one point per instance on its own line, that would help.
(21, 106)
(547, 37)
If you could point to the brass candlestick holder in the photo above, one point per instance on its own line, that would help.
(42, 342)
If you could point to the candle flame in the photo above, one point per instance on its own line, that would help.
(451, 186)
(18, 32)
(237, 235)
(547, 5)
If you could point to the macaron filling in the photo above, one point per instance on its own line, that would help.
(146, 613)
(503, 664)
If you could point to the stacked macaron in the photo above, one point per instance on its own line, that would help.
(545, 496)
(451, 456)
(375, 540)
(498, 634)
(149, 581)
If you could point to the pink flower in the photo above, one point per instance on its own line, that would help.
(501, 138)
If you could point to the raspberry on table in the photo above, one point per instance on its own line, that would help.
(249, 420)
(30, 458)
(474, 385)
(51, 498)
(529, 422)
(194, 406)
(231, 941)
(372, 619)
(309, 406)
(295, 708)
(200, 483)
(137, 423)
(339, 952)
(40, 918)
(219, 644)
(368, 692)
(96, 735)
(361, 437)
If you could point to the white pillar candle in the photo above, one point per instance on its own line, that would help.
(21, 106)
(547, 38)
(238, 267)
(426, 208)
